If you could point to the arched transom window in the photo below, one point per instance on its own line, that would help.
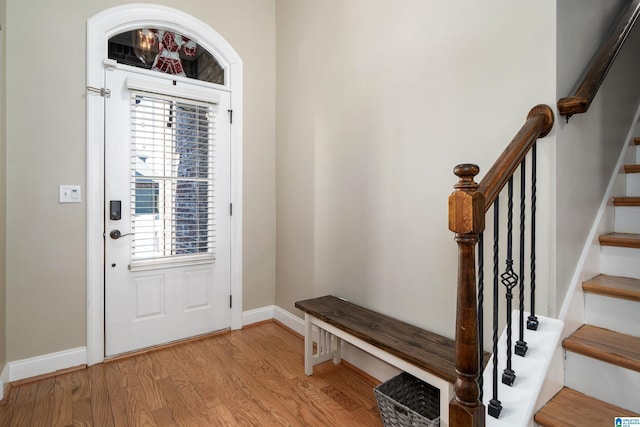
(167, 52)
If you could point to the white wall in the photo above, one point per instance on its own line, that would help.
(3, 197)
(377, 101)
(589, 146)
(45, 56)
(582, 25)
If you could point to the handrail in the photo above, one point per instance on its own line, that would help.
(467, 207)
(599, 66)
(538, 124)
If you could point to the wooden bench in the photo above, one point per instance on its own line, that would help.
(423, 354)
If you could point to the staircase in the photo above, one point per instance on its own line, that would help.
(602, 358)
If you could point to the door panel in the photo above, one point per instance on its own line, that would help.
(167, 275)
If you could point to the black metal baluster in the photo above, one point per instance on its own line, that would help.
(521, 345)
(481, 312)
(495, 406)
(509, 280)
(532, 320)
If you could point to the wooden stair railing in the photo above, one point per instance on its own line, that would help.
(595, 73)
(468, 205)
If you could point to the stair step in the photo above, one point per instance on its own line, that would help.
(611, 301)
(619, 261)
(572, 408)
(624, 240)
(632, 168)
(627, 216)
(632, 181)
(605, 345)
(614, 286)
(636, 140)
(626, 201)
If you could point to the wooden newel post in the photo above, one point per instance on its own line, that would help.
(466, 219)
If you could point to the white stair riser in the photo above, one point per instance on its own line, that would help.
(627, 219)
(633, 184)
(616, 314)
(604, 381)
(618, 261)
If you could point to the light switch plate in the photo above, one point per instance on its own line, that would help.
(70, 194)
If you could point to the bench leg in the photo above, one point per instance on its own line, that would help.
(328, 346)
(337, 352)
(308, 345)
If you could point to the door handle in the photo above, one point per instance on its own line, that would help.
(116, 234)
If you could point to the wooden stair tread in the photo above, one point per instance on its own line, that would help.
(614, 286)
(625, 240)
(572, 408)
(636, 140)
(632, 168)
(605, 345)
(626, 201)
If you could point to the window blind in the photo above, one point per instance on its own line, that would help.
(172, 180)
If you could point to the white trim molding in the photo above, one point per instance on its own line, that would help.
(258, 315)
(291, 321)
(4, 381)
(45, 364)
(99, 28)
(273, 312)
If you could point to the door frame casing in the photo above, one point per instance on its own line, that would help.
(99, 28)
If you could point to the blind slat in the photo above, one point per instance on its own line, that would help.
(172, 179)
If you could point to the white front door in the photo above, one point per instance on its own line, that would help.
(167, 219)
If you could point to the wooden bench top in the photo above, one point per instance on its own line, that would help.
(428, 351)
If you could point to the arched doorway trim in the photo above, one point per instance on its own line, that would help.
(100, 28)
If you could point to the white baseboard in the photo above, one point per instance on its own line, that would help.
(4, 381)
(274, 312)
(290, 320)
(46, 364)
(257, 315)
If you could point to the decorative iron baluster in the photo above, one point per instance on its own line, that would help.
(509, 280)
(495, 406)
(521, 344)
(481, 313)
(532, 320)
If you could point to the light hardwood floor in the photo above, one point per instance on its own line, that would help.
(253, 377)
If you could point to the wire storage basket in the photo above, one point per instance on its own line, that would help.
(406, 401)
